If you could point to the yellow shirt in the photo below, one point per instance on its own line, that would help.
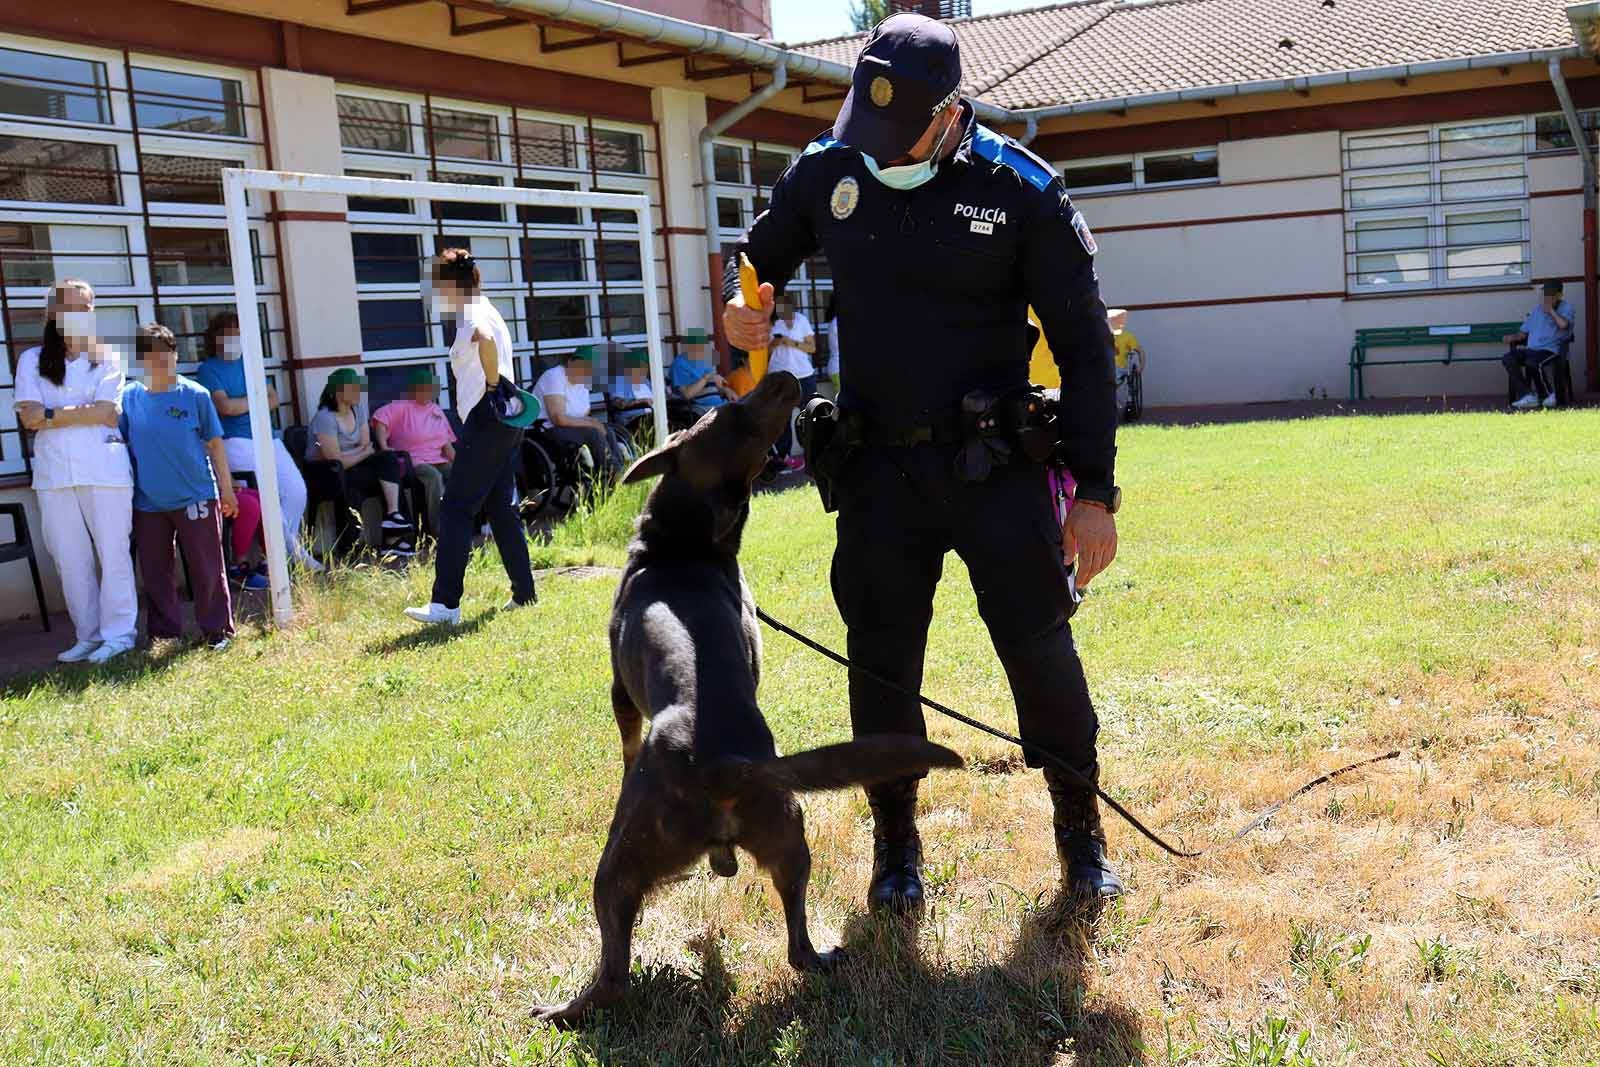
(1042, 369)
(1126, 342)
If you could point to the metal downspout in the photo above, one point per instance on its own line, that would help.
(708, 184)
(1591, 310)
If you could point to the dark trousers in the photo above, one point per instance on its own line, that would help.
(198, 529)
(604, 446)
(352, 486)
(1530, 369)
(483, 477)
(900, 511)
(808, 389)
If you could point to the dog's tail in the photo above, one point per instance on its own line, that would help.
(868, 760)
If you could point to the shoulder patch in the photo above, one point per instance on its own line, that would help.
(822, 144)
(1007, 152)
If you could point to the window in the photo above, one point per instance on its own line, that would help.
(464, 134)
(728, 164)
(622, 314)
(38, 254)
(464, 209)
(547, 144)
(767, 167)
(1437, 206)
(558, 318)
(1097, 175)
(1550, 132)
(730, 213)
(62, 172)
(391, 324)
(387, 258)
(184, 179)
(619, 151)
(186, 256)
(188, 103)
(619, 261)
(81, 202)
(374, 125)
(492, 254)
(614, 216)
(548, 216)
(188, 324)
(1191, 166)
(547, 259)
(53, 87)
(378, 205)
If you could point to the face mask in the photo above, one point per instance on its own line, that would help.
(78, 325)
(232, 348)
(910, 175)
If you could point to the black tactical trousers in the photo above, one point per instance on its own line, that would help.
(900, 511)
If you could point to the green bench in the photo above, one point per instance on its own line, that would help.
(1448, 336)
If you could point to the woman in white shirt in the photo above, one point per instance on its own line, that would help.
(564, 395)
(794, 342)
(68, 392)
(485, 469)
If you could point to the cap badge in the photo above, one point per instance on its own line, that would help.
(881, 91)
(846, 195)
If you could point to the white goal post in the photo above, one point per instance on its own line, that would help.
(235, 183)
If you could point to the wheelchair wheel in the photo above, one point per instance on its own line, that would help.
(537, 483)
(1135, 407)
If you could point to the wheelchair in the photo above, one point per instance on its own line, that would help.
(1130, 383)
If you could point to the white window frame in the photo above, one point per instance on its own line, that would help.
(517, 289)
(1437, 210)
(1137, 160)
(139, 295)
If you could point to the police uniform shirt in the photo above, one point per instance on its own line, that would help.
(933, 284)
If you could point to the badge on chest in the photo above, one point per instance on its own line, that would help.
(981, 219)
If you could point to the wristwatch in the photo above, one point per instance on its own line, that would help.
(49, 413)
(1108, 497)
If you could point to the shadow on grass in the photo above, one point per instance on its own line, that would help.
(71, 679)
(888, 1005)
(430, 636)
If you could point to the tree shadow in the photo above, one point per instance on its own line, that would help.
(429, 636)
(889, 1004)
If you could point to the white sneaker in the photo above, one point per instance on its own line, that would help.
(1527, 402)
(110, 651)
(515, 605)
(221, 644)
(308, 561)
(434, 615)
(1550, 401)
(78, 652)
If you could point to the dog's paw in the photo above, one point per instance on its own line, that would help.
(820, 962)
(562, 1016)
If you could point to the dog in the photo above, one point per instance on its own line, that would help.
(686, 651)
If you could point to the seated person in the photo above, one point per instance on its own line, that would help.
(416, 425)
(564, 400)
(794, 342)
(694, 374)
(341, 431)
(631, 398)
(1544, 333)
(182, 489)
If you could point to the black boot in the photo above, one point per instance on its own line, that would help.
(896, 848)
(1080, 839)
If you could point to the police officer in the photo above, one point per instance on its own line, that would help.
(940, 233)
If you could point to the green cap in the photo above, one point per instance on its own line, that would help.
(420, 375)
(346, 376)
(529, 413)
(696, 336)
(637, 357)
(586, 352)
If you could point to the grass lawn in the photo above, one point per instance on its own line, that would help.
(353, 842)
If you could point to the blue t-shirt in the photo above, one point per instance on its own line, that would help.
(167, 434)
(227, 375)
(686, 371)
(1543, 333)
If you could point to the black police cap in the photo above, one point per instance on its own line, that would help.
(908, 71)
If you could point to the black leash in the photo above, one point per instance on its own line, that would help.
(1046, 754)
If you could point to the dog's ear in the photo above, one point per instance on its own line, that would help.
(654, 464)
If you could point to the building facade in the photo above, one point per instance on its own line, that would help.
(1250, 235)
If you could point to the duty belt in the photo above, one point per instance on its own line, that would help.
(945, 431)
